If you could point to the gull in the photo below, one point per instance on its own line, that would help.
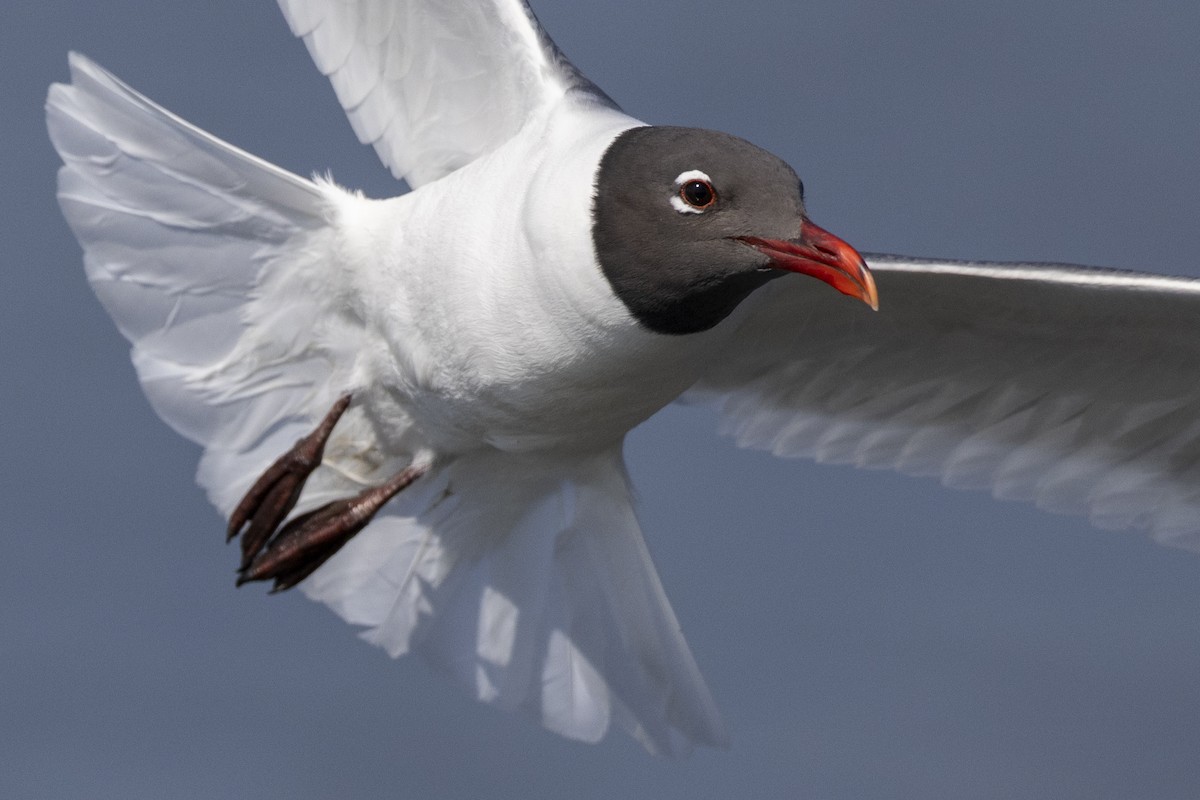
(413, 408)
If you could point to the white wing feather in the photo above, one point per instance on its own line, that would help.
(210, 262)
(1074, 388)
(434, 84)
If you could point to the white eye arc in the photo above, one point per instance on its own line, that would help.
(692, 175)
(702, 192)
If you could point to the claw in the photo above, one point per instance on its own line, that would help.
(311, 539)
(276, 491)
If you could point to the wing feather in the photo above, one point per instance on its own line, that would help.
(207, 259)
(1076, 389)
(434, 84)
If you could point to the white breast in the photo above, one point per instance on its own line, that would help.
(500, 327)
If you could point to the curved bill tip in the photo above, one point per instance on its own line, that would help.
(821, 255)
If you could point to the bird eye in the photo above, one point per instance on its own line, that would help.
(698, 193)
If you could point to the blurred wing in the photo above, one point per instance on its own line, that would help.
(215, 265)
(434, 84)
(1077, 389)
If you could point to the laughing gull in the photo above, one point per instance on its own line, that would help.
(413, 408)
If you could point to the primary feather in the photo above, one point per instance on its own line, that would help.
(1070, 387)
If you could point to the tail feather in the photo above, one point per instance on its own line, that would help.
(527, 579)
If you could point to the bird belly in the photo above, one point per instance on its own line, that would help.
(553, 399)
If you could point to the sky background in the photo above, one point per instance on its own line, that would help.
(913, 642)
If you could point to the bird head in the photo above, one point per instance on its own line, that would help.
(688, 222)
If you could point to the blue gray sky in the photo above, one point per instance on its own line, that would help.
(867, 635)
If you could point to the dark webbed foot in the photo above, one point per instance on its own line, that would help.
(274, 494)
(290, 554)
(311, 539)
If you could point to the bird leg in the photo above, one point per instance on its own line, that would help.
(276, 491)
(310, 539)
(290, 554)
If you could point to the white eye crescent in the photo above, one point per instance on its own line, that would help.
(695, 192)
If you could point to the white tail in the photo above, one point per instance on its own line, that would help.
(526, 577)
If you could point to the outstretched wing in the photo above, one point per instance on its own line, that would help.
(1077, 389)
(434, 84)
(214, 264)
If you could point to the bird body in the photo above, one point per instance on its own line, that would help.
(559, 272)
(512, 380)
(517, 352)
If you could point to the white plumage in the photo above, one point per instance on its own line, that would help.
(433, 86)
(254, 298)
